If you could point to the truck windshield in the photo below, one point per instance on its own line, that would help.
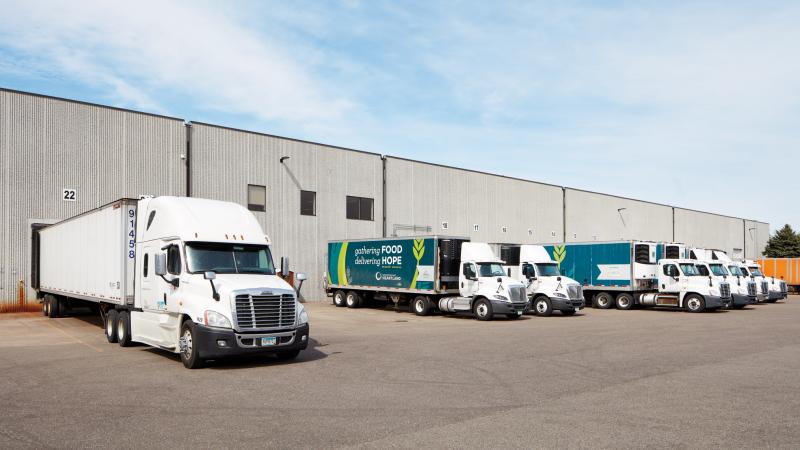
(229, 258)
(690, 270)
(490, 270)
(548, 270)
(719, 270)
(701, 270)
(735, 271)
(756, 272)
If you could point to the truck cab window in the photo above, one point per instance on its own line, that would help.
(469, 271)
(702, 270)
(144, 265)
(527, 270)
(671, 270)
(174, 260)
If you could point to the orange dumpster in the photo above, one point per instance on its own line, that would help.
(787, 269)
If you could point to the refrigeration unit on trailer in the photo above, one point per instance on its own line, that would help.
(187, 275)
(449, 274)
(671, 250)
(548, 289)
(627, 273)
(743, 291)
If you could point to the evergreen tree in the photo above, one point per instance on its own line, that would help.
(785, 243)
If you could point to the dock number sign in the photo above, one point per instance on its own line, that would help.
(69, 194)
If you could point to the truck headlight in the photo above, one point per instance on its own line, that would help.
(559, 294)
(501, 297)
(302, 315)
(217, 320)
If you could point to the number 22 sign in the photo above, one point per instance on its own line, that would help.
(69, 194)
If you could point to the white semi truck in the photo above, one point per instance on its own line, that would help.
(547, 288)
(186, 275)
(743, 293)
(430, 273)
(773, 289)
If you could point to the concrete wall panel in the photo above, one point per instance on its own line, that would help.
(707, 230)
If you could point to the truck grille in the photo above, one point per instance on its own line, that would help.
(575, 292)
(724, 290)
(751, 289)
(518, 294)
(256, 312)
(764, 287)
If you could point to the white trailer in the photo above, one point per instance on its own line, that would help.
(187, 275)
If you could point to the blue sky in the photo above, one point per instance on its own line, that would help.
(695, 104)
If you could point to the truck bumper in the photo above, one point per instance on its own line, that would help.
(213, 343)
(741, 300)
(502, 308)
(713, 302)
(775, 295)
(563, 304)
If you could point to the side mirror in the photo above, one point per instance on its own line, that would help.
(160, 263)
(284, 265)
(499, 279)
(509, 271)
(300, 277)
(209, 275)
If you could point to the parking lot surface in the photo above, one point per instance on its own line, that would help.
(378, 378)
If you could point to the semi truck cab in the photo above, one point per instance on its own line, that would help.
(485, 287)
(547, 288)
(742, 293)
(207, 284)
(681, 285)
(772, 289)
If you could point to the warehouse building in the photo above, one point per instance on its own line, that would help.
(59, 158)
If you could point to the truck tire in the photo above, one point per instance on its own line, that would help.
(53, 307)
(190, 356)
(124, 329)
(111, 326)
(287, 355)
(694, 303)
(338, 298)
(542, 306)
(624, 301)
(482, 309)
(603, 300)
(45, 305)
(353, 300)
(421, 305)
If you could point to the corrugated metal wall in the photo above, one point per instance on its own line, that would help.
(49, 144)
(756, 235)
(422, 194)
(700, 229)
(600, 217)
(225, 161)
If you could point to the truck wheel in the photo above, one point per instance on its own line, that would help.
(603, 300)
(190, 356)
(353, 300)
(542, 306)
(124, 329)
(421, 305)
(111, 326)
(53, 307)
(483, 309)
(624, 301)
(338, 298)
(694, 303)
(288, 355)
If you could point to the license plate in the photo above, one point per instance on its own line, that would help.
(577, 309)
(519, 313)
(268, 341)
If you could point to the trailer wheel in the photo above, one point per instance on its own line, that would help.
(190, 356)
(694, 303)
(542, 306)
(624, 301)
(421, 305)
(338, 298)
(53, 307)
(46, 306)
(111, 326)
(124, 329)
(353, 300)
(483, 309)
(603, 300)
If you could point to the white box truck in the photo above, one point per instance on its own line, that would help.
(187, 275)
